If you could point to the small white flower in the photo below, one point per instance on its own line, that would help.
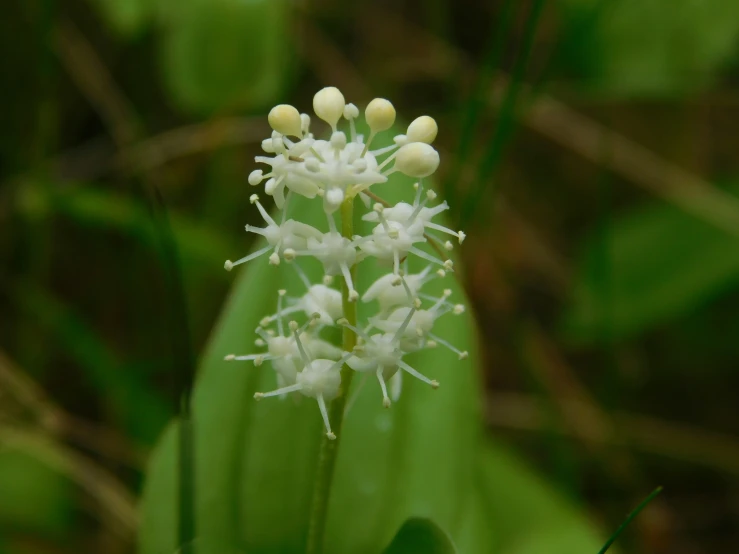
(288, 234)
(282, 350)
(319, 379)
(389, 293)
(382, 354)
(335, 252)
(319, 300)
(417, 330)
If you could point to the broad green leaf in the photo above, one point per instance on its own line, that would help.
(102, 209)
(226, 54)
(33, 497)
(126, 17)
(256, 461)
(652, 47)
(139, 408)
(652, 264)
(526, 515)
(420, 536)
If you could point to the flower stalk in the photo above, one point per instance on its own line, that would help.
(330, 448)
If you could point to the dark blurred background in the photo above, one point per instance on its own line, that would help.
(588, 149)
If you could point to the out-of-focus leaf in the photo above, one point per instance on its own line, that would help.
(135, 403)
(256, 461)
(33, 498)
(652, 47)
(103, 209)
(526, 515)
(126, 17)
(651, 264)
(420, 536)
(226, 54)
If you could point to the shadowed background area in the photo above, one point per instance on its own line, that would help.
(588, 150)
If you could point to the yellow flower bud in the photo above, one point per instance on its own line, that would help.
(417, 159)
(380, 115)
(328, 103)
(285, 119)
(422, 129)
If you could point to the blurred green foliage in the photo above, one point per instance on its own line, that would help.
(661, 263)
(645, 294)
(652, 47)
(35, 498)
(207, 53)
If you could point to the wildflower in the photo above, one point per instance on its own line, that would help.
(319, 379)
(335, 170)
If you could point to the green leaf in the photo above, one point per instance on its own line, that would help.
(652, 47)
(256, 461)
(33, 497)
(140, 409)
(226, 54)
(98, 209)
(652, 264)
(526, 515)
(126, 17)
(420, 536)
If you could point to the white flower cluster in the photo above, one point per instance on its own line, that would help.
(338, 170)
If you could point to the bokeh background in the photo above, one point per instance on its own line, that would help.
(588, 148)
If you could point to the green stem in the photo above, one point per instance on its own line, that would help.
(330, 448)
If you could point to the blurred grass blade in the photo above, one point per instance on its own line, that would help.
(506, 119)
(138, 407)
(101, 209)
(420, 536)
(183, 370)
(479, 96)
(629, 518)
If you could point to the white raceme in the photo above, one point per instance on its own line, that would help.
(335, 171)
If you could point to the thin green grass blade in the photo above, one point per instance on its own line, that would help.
(506, 121)
(474, 106)
(629, 519)
(183, 369)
